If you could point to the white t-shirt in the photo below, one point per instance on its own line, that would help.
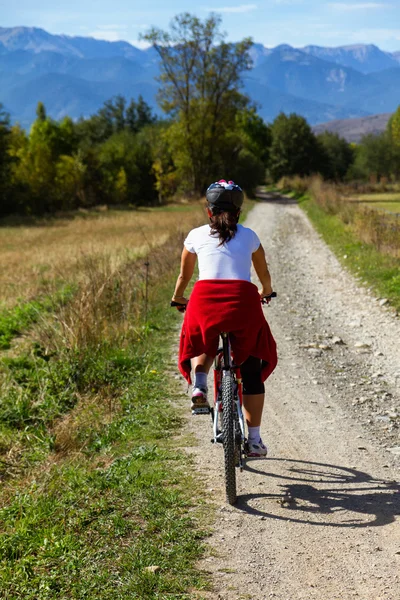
(232, 260)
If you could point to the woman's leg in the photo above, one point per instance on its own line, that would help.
(202, 363)
(253, 391)
(201, 366)
(253, 405)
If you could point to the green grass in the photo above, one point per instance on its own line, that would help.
(379, 197)
(89, 527)
(14, 321)
(380, 271)
(381, 201)
(393, 207)
(95, 488)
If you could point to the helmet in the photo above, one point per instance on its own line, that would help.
(225, 195)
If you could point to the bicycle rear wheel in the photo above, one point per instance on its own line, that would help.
(228, 422)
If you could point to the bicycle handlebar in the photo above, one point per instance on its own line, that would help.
(264, 299)
(182, 307)
(178, 305)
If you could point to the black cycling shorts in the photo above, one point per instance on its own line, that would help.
(251, 376)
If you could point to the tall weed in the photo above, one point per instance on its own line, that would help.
(80, 350)
(370, 226)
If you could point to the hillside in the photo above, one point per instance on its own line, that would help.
(354, 129)
(365, 58)
(75, 75)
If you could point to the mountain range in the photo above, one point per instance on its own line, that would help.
(75, 75)
(353, 130)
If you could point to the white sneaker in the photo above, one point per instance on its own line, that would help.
(199, 399)
(256, 448)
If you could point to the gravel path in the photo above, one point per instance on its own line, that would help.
(331, 422)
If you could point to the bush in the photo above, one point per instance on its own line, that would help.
(298, 184)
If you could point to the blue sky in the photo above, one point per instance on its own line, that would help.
(270, 22)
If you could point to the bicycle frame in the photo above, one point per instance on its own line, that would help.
(223, 364)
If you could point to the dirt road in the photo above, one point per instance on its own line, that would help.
(331, 423)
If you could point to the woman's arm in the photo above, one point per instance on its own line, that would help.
(188, 262)
(261, 268)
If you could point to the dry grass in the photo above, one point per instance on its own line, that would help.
(378, 197)
(76, 357)
(92, 413)
(380, 201)
(379, 228)
(296, 183)
(33, 258)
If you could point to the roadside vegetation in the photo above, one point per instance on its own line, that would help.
(97, 499)
(366, 240)
(38, 255)
(386, 201)
(50, 345)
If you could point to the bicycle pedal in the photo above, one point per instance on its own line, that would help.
(203, 410)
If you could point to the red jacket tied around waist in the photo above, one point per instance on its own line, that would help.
(226, 305)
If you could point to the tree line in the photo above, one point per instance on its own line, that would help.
(125, 155)
(295, 150)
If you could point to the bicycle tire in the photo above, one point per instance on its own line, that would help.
(229, 440)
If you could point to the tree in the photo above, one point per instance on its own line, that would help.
(115, 116)
(5, 160)
(257, 135)
(200, 77)
(139, 115)
(393, 127)
(248, 171)
(336, 156)
(41, 112)
(126, 164)
(374, 157)
(164, 167)
(35, 170)
(294, 147)
(393, 131)
(70, 182)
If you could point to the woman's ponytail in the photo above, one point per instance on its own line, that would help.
(224, 223)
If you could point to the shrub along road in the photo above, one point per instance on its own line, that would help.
(332, 425)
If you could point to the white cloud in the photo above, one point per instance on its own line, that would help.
(242, 8)
(108, 35)
(141, 44)
(354, 6)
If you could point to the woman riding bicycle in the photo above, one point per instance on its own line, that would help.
(224, 299)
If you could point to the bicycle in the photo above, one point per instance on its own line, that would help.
(226, 413)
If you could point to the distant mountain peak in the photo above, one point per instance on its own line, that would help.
(38, 40)
(284, 47)
(365, 58)
(75, 74)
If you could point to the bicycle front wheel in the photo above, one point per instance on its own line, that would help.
(228, 422)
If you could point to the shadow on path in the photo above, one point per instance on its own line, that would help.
(324, 495)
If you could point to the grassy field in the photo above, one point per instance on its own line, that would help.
(381, 201)
(97, 500)
(39, 257)
(43, 262)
